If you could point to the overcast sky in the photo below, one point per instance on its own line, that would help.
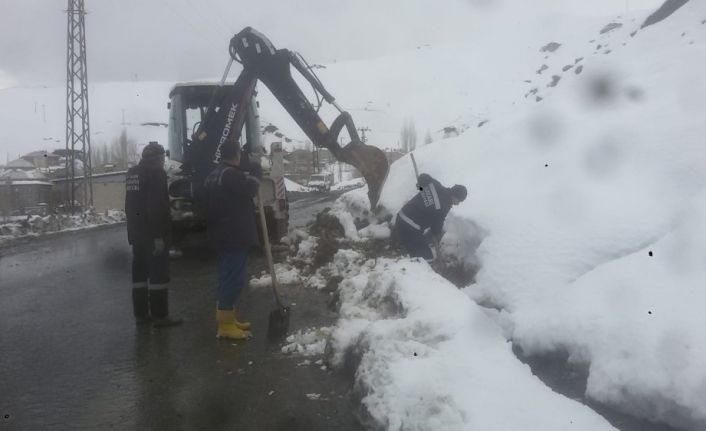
(187, 39)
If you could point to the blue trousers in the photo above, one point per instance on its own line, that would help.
(231, 277)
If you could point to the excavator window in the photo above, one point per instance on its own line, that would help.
(176, 129)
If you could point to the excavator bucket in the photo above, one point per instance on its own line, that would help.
(371, 163)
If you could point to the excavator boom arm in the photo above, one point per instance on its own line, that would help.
(263, 62)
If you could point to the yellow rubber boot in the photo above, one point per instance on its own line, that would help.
(242, 325)
(227, 327)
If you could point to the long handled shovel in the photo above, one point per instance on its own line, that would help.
(279, 317)
(437, 246)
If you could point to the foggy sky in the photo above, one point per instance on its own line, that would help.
(187, 39)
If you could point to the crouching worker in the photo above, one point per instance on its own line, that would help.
(418, 226)
(231, 188)
(149, 230)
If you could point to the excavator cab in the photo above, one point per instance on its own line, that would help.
(191, 160)
(188, 106)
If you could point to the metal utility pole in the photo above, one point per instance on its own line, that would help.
(77, 124)
(315, 158)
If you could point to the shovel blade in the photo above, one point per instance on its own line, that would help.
(278, 323)
(371, 163)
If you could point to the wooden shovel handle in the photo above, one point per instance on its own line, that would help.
(268, 249)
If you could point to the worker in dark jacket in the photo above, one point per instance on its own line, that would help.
(231, 189)
(419, 224)
(149, 231)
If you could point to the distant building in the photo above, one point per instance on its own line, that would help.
(20, 164)
(299, 164)
(42, 159)
(24, 191)
(108, 190)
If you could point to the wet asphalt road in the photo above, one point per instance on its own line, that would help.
(72, 358)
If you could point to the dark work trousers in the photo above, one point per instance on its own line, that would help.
(149, 271)
(231, 276)
(412, 239)
(148, 268)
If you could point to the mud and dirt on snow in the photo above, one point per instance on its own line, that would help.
(328, 235)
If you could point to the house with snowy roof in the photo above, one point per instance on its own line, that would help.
(42, 159)
(24, 190)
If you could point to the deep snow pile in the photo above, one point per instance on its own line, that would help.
(422, 361)
(19, 227)
(428, 358)
(591, 207)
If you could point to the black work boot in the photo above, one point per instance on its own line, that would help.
(159, 306)
(140, 307)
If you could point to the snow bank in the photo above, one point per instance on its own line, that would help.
(428, 358)
(569, 197)
(349, 184)
(307, 249)
(27, 226)
(638, 320)
(293, 186)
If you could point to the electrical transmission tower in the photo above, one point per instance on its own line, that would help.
(78, 142)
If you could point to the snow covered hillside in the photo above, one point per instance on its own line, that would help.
(6, 80)
(459, 84)
(34, 118)
(589, 202)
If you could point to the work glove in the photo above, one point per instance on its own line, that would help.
(429, 236)
(158, 247)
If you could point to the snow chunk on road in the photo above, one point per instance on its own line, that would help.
(346, 263)
(307, 342)
(427, 357)
(30, 226)
(307, 249)
(286, 274)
